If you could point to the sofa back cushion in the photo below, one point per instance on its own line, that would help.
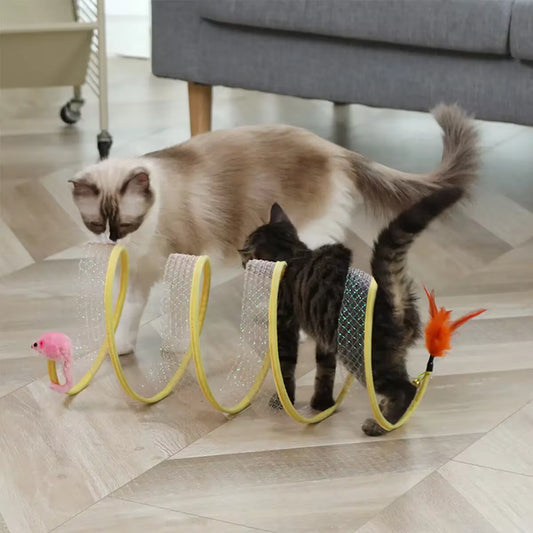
(461, 25)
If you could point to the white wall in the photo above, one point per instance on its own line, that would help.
(128, 27)
(128, 7)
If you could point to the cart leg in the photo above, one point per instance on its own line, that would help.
(104, 142)
(77, 95)
(104, 139)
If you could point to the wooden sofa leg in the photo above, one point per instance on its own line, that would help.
(200, 99)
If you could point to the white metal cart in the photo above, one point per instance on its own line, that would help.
(47, 43)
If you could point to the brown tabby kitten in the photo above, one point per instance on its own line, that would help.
(311, 294)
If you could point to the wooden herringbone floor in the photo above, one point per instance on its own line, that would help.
(100, 462)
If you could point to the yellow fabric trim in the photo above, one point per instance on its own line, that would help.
(52, 372)
(198, 306)
(199, 298)
(118, 256)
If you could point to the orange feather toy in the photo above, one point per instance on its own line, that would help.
(440, 328)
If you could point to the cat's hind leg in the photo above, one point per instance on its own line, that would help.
(324, 379)
(288, 357)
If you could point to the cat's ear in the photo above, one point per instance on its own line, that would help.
(138, 182)
(83, 187)
(277, 214)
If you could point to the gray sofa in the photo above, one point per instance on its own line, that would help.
(408, 54)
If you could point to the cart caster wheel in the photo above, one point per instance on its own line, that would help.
(69, 115)
(104, 142)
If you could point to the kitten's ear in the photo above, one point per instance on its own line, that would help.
(84, 187)
(138, 182)
(277, 214)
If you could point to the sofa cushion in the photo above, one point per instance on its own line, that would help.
(521, 38)
(462, 25)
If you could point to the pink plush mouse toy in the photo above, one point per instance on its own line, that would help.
(57, 347)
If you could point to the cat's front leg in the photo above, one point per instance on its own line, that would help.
(139, 285)
(127, 330)
(128, 327)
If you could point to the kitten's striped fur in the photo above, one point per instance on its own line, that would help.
(311, 294)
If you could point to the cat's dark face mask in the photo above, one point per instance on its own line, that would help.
(114, 214)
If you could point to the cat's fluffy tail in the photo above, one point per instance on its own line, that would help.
(387, 189)
(389, 259)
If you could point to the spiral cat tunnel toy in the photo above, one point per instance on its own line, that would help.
(186, 288)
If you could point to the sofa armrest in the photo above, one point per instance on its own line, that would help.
(521, 38)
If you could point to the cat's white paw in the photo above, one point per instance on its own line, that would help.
(303, 336)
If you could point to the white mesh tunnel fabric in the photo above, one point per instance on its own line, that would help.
(90, 289)
(229, 363)
(253, 337)
(161, 350)
(352, 321)
(89, 305)
(230, 378)
(175, 330)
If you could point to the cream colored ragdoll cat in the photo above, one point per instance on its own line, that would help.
(206, 195)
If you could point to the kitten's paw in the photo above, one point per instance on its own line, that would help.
(275, 402)
(322, 402)
(302, 336)
(372, 428)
